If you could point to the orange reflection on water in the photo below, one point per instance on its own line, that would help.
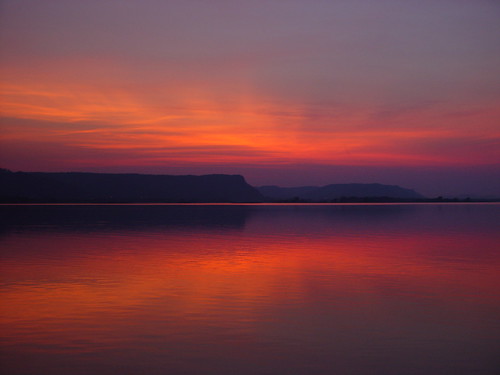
(96, 288)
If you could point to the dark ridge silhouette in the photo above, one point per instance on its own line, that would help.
(77, 187)
(72, 187)
(340, 192)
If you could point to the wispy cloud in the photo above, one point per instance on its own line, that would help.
(250, 83)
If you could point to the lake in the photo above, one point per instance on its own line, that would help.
(250, 289)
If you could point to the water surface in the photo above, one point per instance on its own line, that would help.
(250, 289)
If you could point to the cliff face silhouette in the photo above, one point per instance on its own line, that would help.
(117, 188)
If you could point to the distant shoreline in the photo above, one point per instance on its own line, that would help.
(429, 202)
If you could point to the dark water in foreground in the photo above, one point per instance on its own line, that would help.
(250, 289)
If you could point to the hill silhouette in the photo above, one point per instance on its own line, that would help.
(77, 187)
(343, 192)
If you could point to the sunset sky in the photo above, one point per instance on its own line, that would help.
(285, 92)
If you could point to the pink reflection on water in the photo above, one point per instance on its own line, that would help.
(227, 298)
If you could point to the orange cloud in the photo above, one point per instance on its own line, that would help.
(189, 123)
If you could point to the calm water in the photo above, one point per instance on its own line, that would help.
(250, 289)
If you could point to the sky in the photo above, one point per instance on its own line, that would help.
(284, 92)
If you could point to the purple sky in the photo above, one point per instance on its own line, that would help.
(284, 92)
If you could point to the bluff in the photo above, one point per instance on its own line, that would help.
(75, 187)
(335, 192)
